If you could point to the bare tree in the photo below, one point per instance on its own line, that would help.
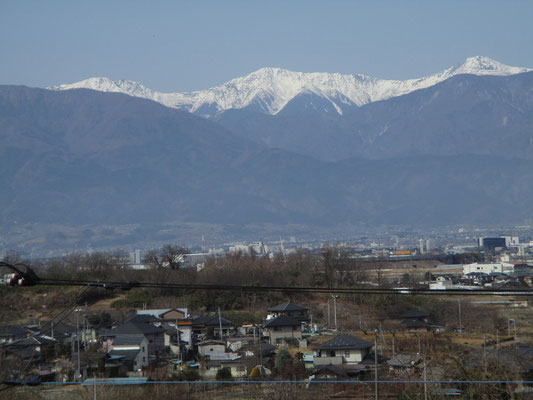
(169, 256)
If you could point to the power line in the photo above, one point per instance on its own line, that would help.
(293, 289)
(142, 382)
(29, 278)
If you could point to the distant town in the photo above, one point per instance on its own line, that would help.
(117, 331)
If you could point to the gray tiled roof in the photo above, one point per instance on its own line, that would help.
(143, 318)
(404, 360)
(345, 341)
(129, 355)
(287, 306)
(282, 320)
(127, 340)
(132, 328)
(10, 330)
(413, 323)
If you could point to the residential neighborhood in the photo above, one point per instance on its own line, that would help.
(391, 319)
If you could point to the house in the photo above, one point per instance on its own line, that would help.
(258, 350)
(133, 328)
(131, 351)
(342, 349)
(205, 326)
(32, 350)
(281, 328)
(289, 309)
(414, 320)
(236, 365)
(237, 342)
(166, 314)
(62, 332)
(442, 282)
(9, 333)
(402, 363)
(328, 372)
(210, 347)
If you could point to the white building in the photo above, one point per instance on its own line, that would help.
(489, 268)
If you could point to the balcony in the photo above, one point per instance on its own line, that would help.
(337, 360)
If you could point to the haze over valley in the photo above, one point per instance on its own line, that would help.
(274, 148)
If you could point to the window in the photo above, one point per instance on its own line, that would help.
(143, 349)
(347, 353)
(144, 359)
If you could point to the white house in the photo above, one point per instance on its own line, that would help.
(342, 349)
(281, 328)
(210, 347)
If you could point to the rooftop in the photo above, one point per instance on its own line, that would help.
(282, 320)
(345, 341)
(287, 306)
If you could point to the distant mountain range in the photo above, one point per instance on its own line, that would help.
(459, 151)
(466, 114)
(270, 90)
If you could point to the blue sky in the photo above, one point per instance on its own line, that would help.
(192, 45)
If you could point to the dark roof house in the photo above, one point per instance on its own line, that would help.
(282, 320)
(290, 309)
(345, 341)
(287, 306)
(341, 350)
(8, 333)
(135, 328)
(415, 319)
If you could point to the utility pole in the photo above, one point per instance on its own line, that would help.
(335, 310)
(460, 321)
(329, 316)
(376, 366)
(78, 371)
(179, 342)
(485, 352)
(260, 348)
(425, 381)
(220, 324)
(85, 324)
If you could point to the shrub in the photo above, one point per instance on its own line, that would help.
(188, 375)
(224, 374)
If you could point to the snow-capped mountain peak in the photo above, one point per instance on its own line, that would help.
(103, 84)
(485, 66)
(270, 89)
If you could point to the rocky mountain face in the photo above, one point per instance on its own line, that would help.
(466, 114)
(270, 90)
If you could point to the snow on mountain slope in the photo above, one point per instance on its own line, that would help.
(270, 89)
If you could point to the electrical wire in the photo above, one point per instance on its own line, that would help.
(293, 289)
